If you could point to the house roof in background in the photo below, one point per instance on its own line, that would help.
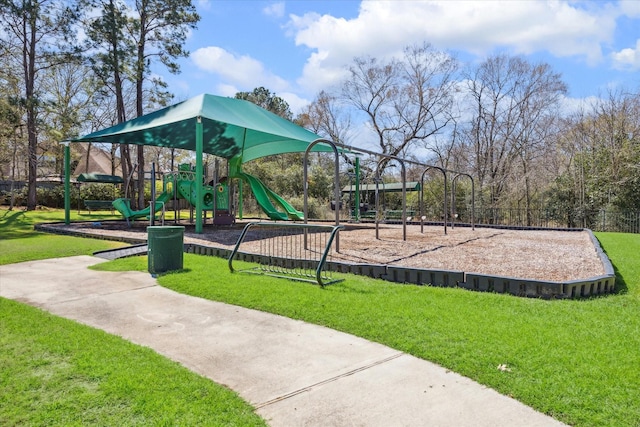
(99, 161)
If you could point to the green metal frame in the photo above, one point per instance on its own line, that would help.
(306, 227)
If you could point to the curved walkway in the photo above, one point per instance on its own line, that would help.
(294, 373)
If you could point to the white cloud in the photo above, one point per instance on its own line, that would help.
(630, 8)
(296, 103)
(203, 5)
(275, 9)
(570, 105)
(627, 59)
(383, 28)
(219, 61)
(226, 90)
(240, 71)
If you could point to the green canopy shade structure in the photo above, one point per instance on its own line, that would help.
(225, 127)
(230, 128)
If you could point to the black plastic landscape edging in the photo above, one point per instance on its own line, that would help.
(593, 286)
(598, 285)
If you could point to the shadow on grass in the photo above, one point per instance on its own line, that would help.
(10, 217)
(621, 287)
(12, 235)
(181, 271)
(11, 228)
(621, 284)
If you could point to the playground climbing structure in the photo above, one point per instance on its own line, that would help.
(182, 185)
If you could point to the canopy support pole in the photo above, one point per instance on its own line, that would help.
(199, 189)
(240, 199)
(67, 183)
(356, 213)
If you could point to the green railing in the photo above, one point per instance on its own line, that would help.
(289, 250)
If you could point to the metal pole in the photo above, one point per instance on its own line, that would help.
(198, 177)
(152, 208)
(404, 201)
(336, 179)
(421, 201)
(453, 201)
(240, 199)
(362, 150)
(67, 183)
(377, 221)
(357, 196)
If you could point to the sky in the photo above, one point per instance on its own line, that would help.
(298, 48)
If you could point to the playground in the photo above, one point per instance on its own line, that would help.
(533, 254)
(391, 244)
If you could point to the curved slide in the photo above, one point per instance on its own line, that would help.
(123, 206)
(264, 196)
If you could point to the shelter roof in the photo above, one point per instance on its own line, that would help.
(99, 178)
(390, 187)
(231, 128)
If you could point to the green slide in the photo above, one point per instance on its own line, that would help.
(123, 206)
(264, 196)
(292, 212)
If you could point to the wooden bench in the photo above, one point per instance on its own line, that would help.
(99, 205)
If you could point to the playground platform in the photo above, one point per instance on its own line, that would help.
(293, 373)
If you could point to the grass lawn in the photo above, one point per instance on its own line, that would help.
(18, 241)
(18, 224)
(577, 360)
(56, 372)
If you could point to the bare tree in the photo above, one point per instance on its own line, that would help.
(512, 103)
(599, 159)
(325, 117)
(66, 103)
(611, 152)
(407, 100)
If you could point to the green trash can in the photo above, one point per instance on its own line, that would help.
(165, 250)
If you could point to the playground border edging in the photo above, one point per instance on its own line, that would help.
(598, 285)
(443, 278)
(593, 286)
(44, 227)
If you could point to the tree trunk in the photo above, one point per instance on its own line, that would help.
(33, 160)
(29, 65)
(113, 160)
(86, 160)
(140, 66)
(140, 149)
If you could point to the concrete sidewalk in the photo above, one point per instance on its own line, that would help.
(294, 373)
